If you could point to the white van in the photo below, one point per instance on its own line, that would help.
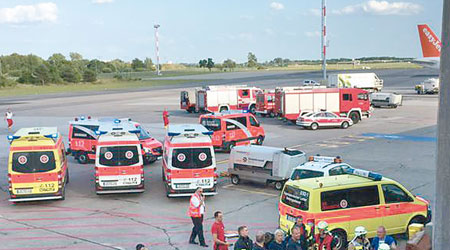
(263, 164)
(386, 100)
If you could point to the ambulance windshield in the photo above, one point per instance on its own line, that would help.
(143, 135)
(295, 197)
(116, 156)
(33, 162)
(191, 158)
(212, 124)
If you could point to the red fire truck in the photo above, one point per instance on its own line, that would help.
(188, 160)
(265, 103)
(119, 164)
(232, 128)
(220, 98)
(348, 102)
(83, 139)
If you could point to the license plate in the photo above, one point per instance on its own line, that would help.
(109, 183)
(130, 181)
(24, 191)
(291, 218)
(204, 182)
(183, 185)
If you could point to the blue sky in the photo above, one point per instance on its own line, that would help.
(196, 29)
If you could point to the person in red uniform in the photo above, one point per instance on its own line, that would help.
(218, 232)
(9, 120)
(165, 118)
(196, 212)
(324, 239)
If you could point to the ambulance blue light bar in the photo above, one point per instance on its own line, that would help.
(98, 132)
(116, 121)
(52, 136)
(134, 131)
(12, 137)
(365, 173)
(173, 134)
(208, 133)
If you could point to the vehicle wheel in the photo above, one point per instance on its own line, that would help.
(163, 177)
(314, 126)
(235, 179)
(67, 176)
(394, 106)
(260, 140)
(252, 109)
(341, 237)
(82, 158)
(355, 117)
(272, 115)
(344, 125)
(279, 185)
(63, 195)
(223, 109)
(418, 219)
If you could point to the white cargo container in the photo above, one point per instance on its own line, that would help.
(263, 164)
(368, 81)
(386, 100)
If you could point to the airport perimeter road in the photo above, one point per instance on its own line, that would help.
(398, 143)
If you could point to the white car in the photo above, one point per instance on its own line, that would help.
(318, 166)
(310, 83)
(315, 120)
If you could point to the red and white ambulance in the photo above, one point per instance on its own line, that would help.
(189, 161)
(119, 166)
(220, 98)
(232, 128)
(265, 103)
(83, 139)
(346, 102)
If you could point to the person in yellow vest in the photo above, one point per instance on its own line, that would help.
(196, 212)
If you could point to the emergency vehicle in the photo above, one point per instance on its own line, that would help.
(188, 100)
(220, 98)
(37, 165)
(323, 119)
(347, 201)
(318, 166)
(189, 161)
(233, 128)
(119, 164)
(347, 102)
(265, 103)
(83, 139)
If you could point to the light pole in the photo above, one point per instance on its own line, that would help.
(156, 26)
(324, 40)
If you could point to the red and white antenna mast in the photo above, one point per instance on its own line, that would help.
(324, 39)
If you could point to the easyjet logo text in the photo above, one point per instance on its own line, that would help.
(432, 40)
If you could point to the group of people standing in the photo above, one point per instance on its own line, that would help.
(297, 239)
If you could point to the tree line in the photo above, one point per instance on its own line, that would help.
(32, 69)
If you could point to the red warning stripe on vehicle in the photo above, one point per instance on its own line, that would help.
(194, 173)
(118, 143)
(358, 213)
(34, 177)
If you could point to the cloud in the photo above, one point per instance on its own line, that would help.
(312, 33)
(314, 12)
(381, 8)
(276, 6)
(102, 1)
(41, 12)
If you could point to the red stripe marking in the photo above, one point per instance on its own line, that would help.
(119, 143)
(188, 145)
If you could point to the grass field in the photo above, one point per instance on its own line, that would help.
(149, 78)
(146, 75)
(101, 85)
